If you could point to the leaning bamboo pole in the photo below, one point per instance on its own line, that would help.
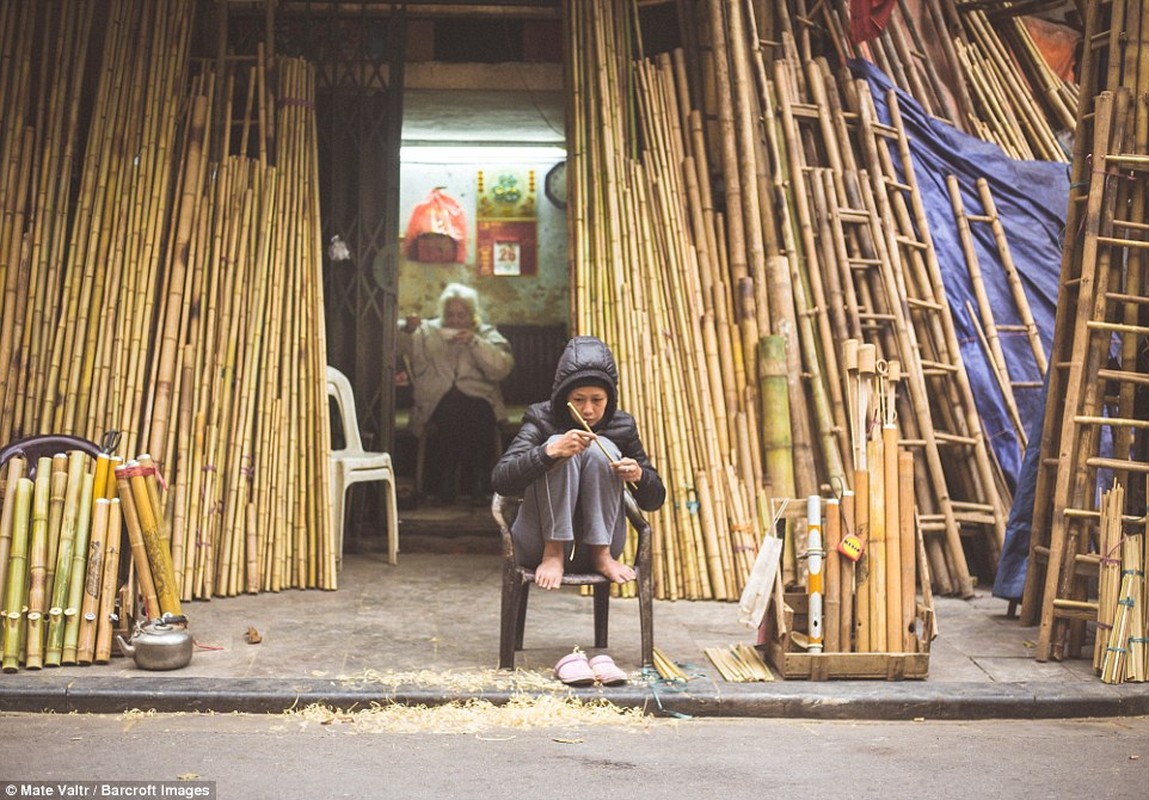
(14, 472)
(109, 581)
(69, 636)
(15, 594)
(73, 527)
(93, 571)
(38, 589)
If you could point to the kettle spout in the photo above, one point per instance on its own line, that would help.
(127, 649)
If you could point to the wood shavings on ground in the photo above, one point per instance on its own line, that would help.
(739, 663)
(474, 716)
(460, 681)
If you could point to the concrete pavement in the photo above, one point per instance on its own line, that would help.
(426, 631)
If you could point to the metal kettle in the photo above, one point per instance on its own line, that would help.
(160, 644)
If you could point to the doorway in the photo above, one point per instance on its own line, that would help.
(494, 161)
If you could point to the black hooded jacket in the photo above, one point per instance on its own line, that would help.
(525, 460)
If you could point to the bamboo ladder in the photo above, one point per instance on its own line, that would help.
(984, 320)
(1096, 372)
(969, 487)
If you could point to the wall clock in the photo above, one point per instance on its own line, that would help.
(555, 184)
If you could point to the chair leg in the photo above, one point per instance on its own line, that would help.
(521, 621)
(601, 613)
(646, 617)
(391, 500)
(512, 599)
(420, 463)
(338, 503)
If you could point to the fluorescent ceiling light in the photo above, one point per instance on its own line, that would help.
(481, 154)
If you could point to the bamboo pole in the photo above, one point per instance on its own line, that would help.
(38, 589)
(86, 635)
(895, 623)
(833, 581)
(75, 585)
(778, 461)
(130, 511)
(909, 550)
(75, 520)
(846, 578)
(15, 471)
(59, 489)
(109, 584)
(16, 591)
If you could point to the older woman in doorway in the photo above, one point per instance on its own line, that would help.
(457, 363)
(571, 479)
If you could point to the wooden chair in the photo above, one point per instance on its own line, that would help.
(517, 581)
(352, 464)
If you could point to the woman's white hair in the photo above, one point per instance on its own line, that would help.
(464, 294)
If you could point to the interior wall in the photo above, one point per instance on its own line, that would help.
(541, 299)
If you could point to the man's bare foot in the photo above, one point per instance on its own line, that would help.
(606, 564)
(549, 572)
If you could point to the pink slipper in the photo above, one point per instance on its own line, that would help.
(607, 672)
(573, 670)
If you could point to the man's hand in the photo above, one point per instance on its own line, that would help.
(572, 443)
(627, 469)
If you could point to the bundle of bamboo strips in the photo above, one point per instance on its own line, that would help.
(168, 297)
(739, 663)
(1120, 653)
(61, 615)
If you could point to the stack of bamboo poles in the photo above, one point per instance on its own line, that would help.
(736, 306)
(1120, 651)
(869, 601)
(641, 286)
(1098, 370)
(978, 70)
(60, 544)
(865, 268)
(884, 581)
(240, 410)
(166, 296)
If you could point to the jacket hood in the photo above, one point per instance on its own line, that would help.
(586, 359)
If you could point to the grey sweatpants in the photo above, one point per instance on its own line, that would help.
(578, 502)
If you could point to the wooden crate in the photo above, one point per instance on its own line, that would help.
(791, 661)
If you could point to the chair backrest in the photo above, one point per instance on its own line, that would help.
(32, 448)
(339, 388)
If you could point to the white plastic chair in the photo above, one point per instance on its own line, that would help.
(354, 465)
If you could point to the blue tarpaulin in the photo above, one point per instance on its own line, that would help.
(1032, 199)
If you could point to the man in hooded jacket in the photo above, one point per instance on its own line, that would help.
(572, 514)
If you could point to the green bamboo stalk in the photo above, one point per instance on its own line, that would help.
(17, 575)
(70, 523)
(37, 567)
(15, 473)
(779, 455)
(79, 572)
